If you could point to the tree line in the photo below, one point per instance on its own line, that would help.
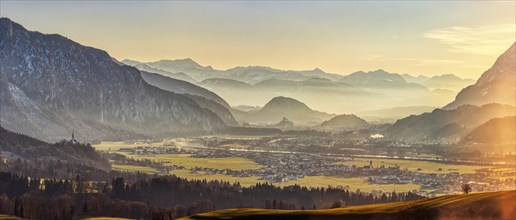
(163, 197)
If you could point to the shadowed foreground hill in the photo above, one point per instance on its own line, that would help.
(492, 205)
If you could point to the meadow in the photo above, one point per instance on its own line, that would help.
(445, 207)
(116, 145)
(185, 160)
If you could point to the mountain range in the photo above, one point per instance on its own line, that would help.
(491, 97)
(51, 86)
(325, 91)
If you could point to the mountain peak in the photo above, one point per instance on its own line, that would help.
(378, 75)
(69, 90)
(282, 102)
(496, 85)
(502, 69)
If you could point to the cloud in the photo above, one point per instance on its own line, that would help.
(483, 40)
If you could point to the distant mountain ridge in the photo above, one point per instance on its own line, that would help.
(392, 114)
(249, 74)
(445, 81)
(51, 85)
(317, 88)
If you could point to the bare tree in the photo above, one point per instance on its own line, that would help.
(466, 188)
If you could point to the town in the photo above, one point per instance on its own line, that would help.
(284, 164)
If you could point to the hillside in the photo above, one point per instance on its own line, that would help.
(491, 205)
(202, 96)
(51, 85)
(497, 133)
(439, 123)
(496, 85)
(14, 145)
(279, 107)
(345, 122)
(146, 68)
(393, 114)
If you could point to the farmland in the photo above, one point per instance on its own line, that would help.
(132, 168)
(114, 146)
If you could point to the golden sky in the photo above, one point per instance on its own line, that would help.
(429, 38)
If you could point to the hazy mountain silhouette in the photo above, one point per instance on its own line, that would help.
(445, 81)
(202, 96)
(393, 114)
(498, 133)
(445, 123)
(285, 123)
(345, 122)
(496, 85)
(325, 91)
(279, 107)
(179, 76)
(52, 85)
(221, 83)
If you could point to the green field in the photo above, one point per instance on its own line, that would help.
(132, 168)
(235, 163)
(116, 145)
(413, 165)
(232, 163)
(492, 205)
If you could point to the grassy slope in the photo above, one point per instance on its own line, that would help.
(492, 205)
(8, 217)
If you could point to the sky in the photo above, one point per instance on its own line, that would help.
(421, 37)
